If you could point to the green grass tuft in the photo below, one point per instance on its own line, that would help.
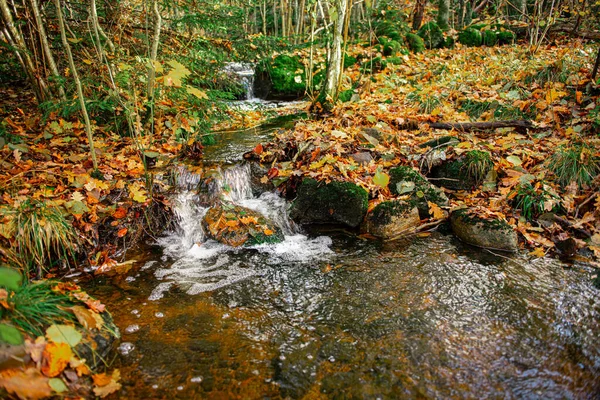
(577, 163)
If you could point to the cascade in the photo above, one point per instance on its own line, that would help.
(245, 73)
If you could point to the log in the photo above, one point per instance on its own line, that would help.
(472, 126)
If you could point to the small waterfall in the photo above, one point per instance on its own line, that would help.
(245, 74)
(199, 265)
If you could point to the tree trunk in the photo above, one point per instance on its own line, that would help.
(23, 55)
(154, 50)
(418, 14)
(86, 118)
(98, 31)
(335, 62)
(443, 14)
(596, 65)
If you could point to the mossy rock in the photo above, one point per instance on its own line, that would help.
(506, 37)
(282, 78)
(237, 226)
(464, 173)
(490, 38)
(329, 203)
(392, 48)
(432, 35)
(414, 42)
(486, 233)
(470, 37)
(449, 42)
(406, 181)
(257, 173)
(392, 219)
(395, 60)
(346, 95)
(390, 30)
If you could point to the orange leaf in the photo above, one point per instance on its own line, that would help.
(268, 232)
(56, 358)
(233, 224)
(258, 149)
(122, 232)
(101, 379)
(120, 213)
(29, 384)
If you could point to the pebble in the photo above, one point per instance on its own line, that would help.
(129, 279)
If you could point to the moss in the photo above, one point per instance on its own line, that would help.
(377, 65)
(490, 224)
(395, 60)
(415, 43)
(422, 192)
(490, 38)
(506, 37)
(283, 71)
(349, 61)
(382, 214)
(464, 173)
(470, 37)
(391, 48)
(389, 29)
(449, 43)
(346, 95)
(432, 35)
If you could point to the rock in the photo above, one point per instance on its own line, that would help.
(258, 173)
(464, 173)
(96, 344)
(487, 233)
(239, 226)
(391, 219)
(362, 157)
(208, 189)
(406, 181)
(437, 153)
(335, 202)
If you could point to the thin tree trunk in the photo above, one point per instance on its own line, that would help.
(98, 31)
(86, 118)
(154, 50)
(20, 48)
(418, 14)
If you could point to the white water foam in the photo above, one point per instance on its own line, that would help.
(201, 265)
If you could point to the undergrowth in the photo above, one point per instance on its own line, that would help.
(577, 163)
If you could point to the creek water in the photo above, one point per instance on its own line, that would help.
(326, 314)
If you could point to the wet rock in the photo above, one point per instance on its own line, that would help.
(331, 203)
(257, 182)
(464, 173)
(406, 181)
(239, 226)
(209, 190)
(391, 219)
(97, 344)
(362, 157)
(486, 233)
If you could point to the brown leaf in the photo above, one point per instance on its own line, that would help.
(27, 385)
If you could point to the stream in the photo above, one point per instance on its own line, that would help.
(326, 314)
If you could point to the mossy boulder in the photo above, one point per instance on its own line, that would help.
(375, 65)
(486, 233)
(414, 42)
(432, 35)
(329, 203)
(392, 219)
(237, 226)
(470, 37)
(449, 42)
(405, 181)
(464, 173)
(391, 48)
(506, 37)
(282, 77)
(490, 38)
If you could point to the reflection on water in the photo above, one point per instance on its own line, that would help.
(422, 319)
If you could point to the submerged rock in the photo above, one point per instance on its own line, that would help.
(392, 219)
(258, 183)
(239, 226)
(487, 233)
(335, 202)
(406, 181)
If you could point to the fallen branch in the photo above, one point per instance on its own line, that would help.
(471, 126)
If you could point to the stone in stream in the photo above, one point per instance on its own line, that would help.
(486, 233)
(257, 174)
(405, 181)
(329, 203)
(239, 226)
(392, 219)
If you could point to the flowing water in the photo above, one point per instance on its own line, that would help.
(329, 315)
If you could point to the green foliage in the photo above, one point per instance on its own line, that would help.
(415, 43)
(389, 29)
(449, 43)
(10, 335)
(43, 235)
(36, 306)
(375, 65)
(533, 200)
(391, 48)
(476, 164)
(490, 38)
(395, 60)
(286, 72)
(346, 95)
(470, 37)
(10, 279)
(432, 35)
(577, 163)
(349, 61)
(501, 112)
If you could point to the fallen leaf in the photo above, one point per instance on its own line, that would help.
(27, 385)
(120, 213)
(56, 357)
(67, 334)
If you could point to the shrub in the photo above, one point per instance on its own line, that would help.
(533, 200)
(415, 43)
(476, 165)
(490, 38)
(577, 163)
(470, 37)
(506, 37)
(43, 235)
(449, 43)
(391, 48)
(432, 35)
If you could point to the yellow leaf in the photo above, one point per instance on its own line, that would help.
(105, 384)
(538, 252)
(77, 196)
(56, 357)
(196, 92)
(435, 211)
(268, 232)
